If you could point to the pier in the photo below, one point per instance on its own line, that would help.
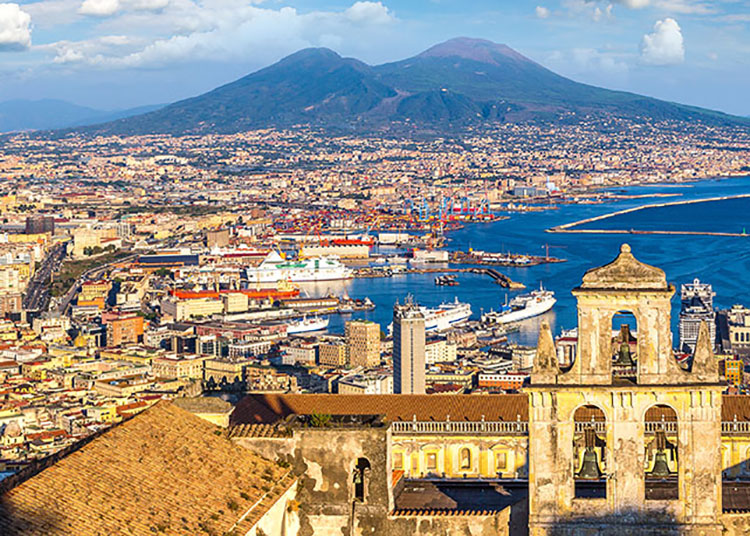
(516, 260)
(571, 227)
(501, 279)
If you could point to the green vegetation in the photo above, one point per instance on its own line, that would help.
(72, 270)
(320, 420)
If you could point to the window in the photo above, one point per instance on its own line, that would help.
(398, 461)
(431, 460)
(501, 461)
(361, 476)
(464, 458)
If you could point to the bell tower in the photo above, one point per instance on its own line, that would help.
(626, 438)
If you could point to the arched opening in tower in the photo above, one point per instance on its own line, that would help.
(661, 467)
(624, 345)
(590, 453)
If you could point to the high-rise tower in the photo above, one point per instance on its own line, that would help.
(408, 349)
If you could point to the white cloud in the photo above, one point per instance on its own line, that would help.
(542, 12)
(589, 9)
(225, 30)
(15, 28)
(369, 12)
(664, 46)
(99, 8)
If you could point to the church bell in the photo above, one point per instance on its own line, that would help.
(661, 468)
(590, 466)
(624, 358)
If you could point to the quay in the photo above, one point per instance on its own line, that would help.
(571, 227)
(501, 279)
(517, 260)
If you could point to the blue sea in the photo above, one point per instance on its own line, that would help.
(722, 261)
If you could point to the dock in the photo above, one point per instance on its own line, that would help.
(501, 279)
(514, 260)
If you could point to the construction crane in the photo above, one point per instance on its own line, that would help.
(547, 248)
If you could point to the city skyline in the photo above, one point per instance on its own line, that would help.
(109, 54)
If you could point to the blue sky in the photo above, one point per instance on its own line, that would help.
(121, 53)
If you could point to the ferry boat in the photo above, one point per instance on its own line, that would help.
(522, 307)
(274, 269)
(443, 317)
(308, 324)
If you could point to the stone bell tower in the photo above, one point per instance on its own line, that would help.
(625, 441)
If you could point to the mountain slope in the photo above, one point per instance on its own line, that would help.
(17, 115)
(310, 85)
(460, 82)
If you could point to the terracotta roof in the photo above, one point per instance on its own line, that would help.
(164, 471)
(735, 405)
(270, 408)
(471, 497)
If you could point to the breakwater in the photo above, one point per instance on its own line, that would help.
(572, 227)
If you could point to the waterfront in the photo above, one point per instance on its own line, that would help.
(720, 260)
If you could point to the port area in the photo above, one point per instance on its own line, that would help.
(573, 226)
(501, 259)
(390, 271)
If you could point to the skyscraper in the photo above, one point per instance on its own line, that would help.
(697, 305)
(408, 349)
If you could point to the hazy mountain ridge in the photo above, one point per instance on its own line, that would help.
(45, 114)
(460, 82)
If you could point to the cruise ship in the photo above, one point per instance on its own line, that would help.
(522, 307)
(274, 269)
(443, 317)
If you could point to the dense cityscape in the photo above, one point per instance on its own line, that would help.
(451, 292)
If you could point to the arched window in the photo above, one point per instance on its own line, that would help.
(464, 458)
(624, 344)
(589, 453)
(361, 475)
(662, 463)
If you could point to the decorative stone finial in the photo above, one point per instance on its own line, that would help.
(704, 367)
(545, 364)
(625, 273)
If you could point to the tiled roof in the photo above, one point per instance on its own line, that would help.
(165, 471)
(270, 408)
(735, 406)
(425, 497)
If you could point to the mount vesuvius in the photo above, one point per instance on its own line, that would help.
(458, 83)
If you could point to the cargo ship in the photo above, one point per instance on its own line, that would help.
(306, 325)
(274, 269)
(522, 307)
(443, 317)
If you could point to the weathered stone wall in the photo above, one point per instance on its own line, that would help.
(281, 519)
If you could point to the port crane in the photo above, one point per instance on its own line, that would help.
(547, 248)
